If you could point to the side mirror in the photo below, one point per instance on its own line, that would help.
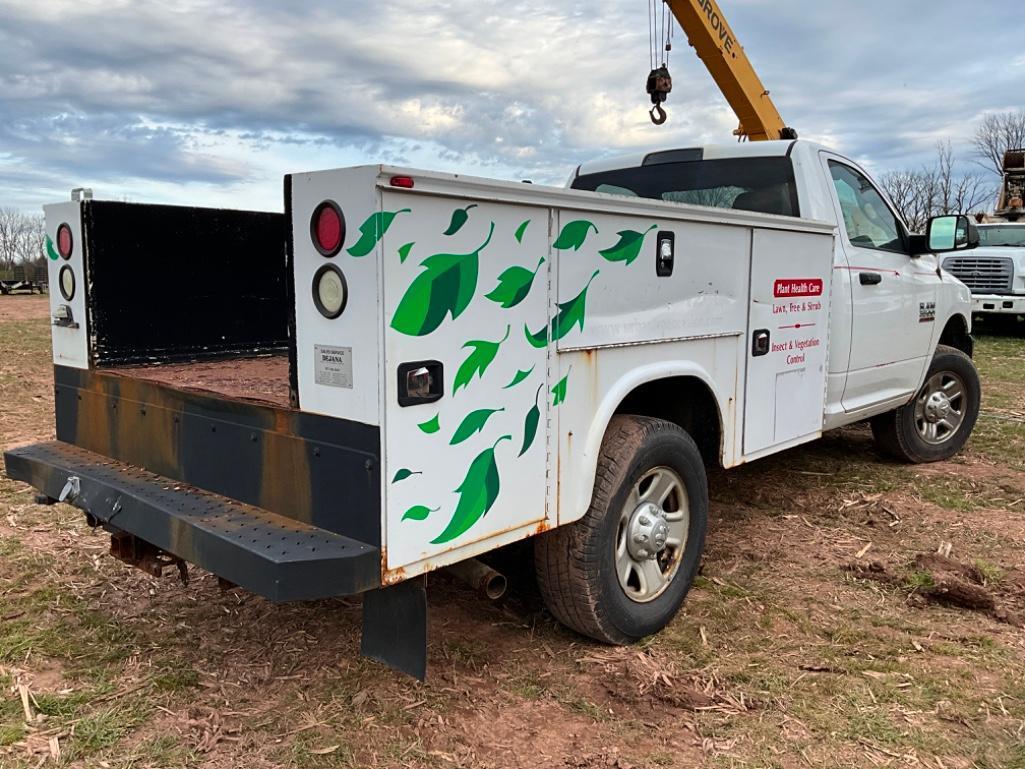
(951, 233)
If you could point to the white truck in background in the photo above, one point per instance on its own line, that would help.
(464, 363)
(995, 272)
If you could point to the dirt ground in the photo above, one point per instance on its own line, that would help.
(850, 612)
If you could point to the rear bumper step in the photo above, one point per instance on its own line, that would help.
(277, 557)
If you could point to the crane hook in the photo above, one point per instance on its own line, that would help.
(657, 115)
(658, 86)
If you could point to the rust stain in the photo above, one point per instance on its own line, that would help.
(141, 422)
(285, 480)
(118, 418)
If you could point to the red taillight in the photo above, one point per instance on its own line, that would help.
(65, 243)
(402, 181)
(327, 228)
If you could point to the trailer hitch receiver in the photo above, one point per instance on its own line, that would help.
(141, 554)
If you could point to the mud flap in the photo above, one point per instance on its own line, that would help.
(395, 626)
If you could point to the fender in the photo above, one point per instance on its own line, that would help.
(578, 493)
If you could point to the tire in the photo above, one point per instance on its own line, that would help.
(904, 434)
(579, 565)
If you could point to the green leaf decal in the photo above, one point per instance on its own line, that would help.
(539, 338)
(514, 285)
(628, 247)
(530, 423)
(477, 493)
(473, 423)
(419, 513)
(520, 230)
(404, 252)
(477, 362)
(519, 376)
(372, 230)
(559, 391)
(431, 425)
(50, 250)
(571, 313)
(445, 287)
(404, 473)
(574, 234)
(459, 217)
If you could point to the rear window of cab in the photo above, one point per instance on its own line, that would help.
(763, 185)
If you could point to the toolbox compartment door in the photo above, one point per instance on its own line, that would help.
(788, 335)
(466, 466)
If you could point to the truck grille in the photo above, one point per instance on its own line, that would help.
(981, 273)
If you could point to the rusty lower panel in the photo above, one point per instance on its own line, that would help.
(274, 556)
(314, 469)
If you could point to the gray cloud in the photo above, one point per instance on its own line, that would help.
(139, 96)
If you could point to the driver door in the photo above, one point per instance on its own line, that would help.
(893, 295)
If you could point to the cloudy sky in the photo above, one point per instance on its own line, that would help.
(212, 102)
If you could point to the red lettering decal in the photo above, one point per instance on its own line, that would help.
(787, 287)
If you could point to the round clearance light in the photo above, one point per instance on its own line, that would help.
(330, 291)
(327, 228)
(65, 243)
(66, 282)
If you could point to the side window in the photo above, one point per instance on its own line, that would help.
(869, 221)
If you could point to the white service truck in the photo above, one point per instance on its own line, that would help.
(410, 369)
(995, 271)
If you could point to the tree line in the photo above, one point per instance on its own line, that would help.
(22, 244)
(942, 188)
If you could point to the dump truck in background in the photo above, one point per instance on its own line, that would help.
(1011, 200)
(407, 370)
(995, 272)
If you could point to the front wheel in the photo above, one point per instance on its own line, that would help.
(936, 424)
(622, 571)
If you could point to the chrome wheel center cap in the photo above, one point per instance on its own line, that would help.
(648, 532)
(937, 407)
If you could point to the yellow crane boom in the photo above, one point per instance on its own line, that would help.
(717, 46)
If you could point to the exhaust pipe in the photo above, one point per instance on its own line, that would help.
(480, 577)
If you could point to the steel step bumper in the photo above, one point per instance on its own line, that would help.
(266, 553)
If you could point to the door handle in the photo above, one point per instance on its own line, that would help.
(870, 278)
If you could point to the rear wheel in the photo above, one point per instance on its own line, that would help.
(936, 424)
(622, 571)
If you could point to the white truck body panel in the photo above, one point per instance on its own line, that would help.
(356, 332)
(595, 323)
(70, 343)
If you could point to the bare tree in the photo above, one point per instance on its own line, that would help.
(910, 192)
(956, 193)
(31, 240)
(11, 224)
(997, 133)
(30, 246)
(935, 190)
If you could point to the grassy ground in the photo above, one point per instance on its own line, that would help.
(822, 632)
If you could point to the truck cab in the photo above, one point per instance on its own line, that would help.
(891, 303)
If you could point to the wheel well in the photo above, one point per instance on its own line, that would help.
(685, 401)
(955, 334)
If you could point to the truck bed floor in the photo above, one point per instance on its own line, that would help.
(263, 379)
